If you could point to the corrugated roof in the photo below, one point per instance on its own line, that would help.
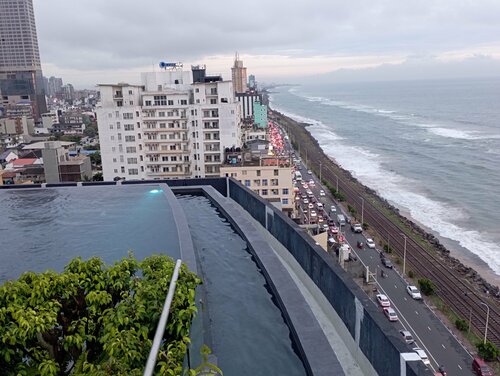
(23, 161)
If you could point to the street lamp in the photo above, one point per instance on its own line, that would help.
(487, 318)
(362, 210)
(404, 256)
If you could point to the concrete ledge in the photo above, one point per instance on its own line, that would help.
(55, 185)
(20, 186)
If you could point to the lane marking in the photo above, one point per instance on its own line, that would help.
(405, 298)
(459, 366)
(429, 328)
(416, 312)
(395, 286)
(443, 346)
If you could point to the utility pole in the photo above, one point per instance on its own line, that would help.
(487, 318)
(404, 256)
(363, 210)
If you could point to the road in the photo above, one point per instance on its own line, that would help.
(429, 332)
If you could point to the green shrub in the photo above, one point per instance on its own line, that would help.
(426, 286)
(366, 226)
(411, 274)
(101, 319)
(462, 325)
(488, 351)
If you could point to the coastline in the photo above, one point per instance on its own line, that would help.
(483, 280)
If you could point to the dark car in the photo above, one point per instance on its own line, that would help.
(387, 263)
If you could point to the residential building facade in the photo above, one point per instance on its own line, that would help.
(169, 127)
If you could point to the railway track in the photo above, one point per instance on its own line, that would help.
(458, 294)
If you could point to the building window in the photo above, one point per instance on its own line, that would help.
(132, 160)
(247, 183)
(213, 101)
(284, 201)
(258, 172)
(275, 192)
(285, 191)
(264, 192)
(264, 182)
(160, 100)
(128, 127)
(244, 172)
(133, 171)
(112, 138)
(161, 114)
(274, 182)
(128, 115)
(123, 169)
(148, 103)
(131, 103)
(184, 102)
(196, 90)
(115, 170)
(118, 125)
(111, 126)
(276, 172)
(130, 92)
(170, 102)
(129, 138)
(131, 149)
(256, 182)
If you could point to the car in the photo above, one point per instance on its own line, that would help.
(320, 206)
(305, 201)
(331, 222)
(313, 213)
(322, 192)
(305, 210)
(325, 227)
(331, 240)
(333, 209)
(309, 192)
(413, 292)
(407, 337)
(334, 229)
(356, 227)
(386, 262)
(303, 195)
(370, 243)
(480, 367)
(390, 314)
(320, 219)
(311, 206)
(383, 300)
(311, 182)
(309, 172)
(423, 356)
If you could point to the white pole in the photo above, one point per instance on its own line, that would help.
(487, 318)
(150, 365)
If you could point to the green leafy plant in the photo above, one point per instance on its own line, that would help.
(426, 286)
(94, 319)
(462, 324)
(488, 351)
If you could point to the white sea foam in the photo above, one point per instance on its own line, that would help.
(404, 193)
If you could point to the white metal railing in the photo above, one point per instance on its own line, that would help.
(150, 364)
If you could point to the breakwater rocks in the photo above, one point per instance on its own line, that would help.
(298, 131)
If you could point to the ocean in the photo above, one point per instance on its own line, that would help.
(431, 148)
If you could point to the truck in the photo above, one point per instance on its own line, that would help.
(298, 176)
(356, 227)
(341, 219)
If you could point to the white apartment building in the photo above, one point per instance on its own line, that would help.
(168, 127)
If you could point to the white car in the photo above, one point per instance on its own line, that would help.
(311, 205)
(370, 243)
(423, 356)
(322, 192)
(333, 209)
(413, 292)
(313, 213)
(390, 314)
(309, 172)
(309, 192)
(311, 183)
(305, 200)
(383, 301)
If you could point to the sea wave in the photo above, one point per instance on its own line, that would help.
(368, 168)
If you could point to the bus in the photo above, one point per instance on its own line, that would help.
(298, 176)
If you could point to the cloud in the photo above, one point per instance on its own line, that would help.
(111, 35)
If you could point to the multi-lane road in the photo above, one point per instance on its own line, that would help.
(430, 334)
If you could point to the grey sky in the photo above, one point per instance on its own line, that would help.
(93, 41)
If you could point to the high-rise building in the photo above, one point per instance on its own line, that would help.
(252, 84)
(239, 75)
(20, 67)
(176, 124)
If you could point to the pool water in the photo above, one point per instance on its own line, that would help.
(44, 229)
(248, 333)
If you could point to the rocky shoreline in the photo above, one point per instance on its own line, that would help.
(466, 272)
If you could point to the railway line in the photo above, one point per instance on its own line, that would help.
(458, 294)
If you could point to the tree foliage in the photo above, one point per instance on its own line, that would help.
(488, 351)
(426, 286)
(94, 319)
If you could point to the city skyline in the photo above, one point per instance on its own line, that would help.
(91, 47)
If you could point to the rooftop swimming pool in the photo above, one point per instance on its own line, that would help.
(43, 229)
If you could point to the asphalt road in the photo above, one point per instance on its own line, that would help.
(429, 332)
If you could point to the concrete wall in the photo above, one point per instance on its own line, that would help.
(376, 338)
